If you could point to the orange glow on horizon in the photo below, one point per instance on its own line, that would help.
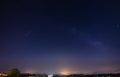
(65, 73)
(29, 71)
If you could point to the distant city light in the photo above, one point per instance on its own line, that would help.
(30, 71)
(50, 75)
(65, 73)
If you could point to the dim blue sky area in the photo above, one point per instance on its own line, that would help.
(59, 36)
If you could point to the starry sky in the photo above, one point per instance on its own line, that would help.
(60, 36)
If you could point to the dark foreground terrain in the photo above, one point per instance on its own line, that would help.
(72, 75)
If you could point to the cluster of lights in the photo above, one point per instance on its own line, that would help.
(3, 74)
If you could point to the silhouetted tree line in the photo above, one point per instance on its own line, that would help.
(16, 73)
(73, 75)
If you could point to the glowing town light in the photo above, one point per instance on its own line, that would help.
(65, 73)
(30, 71)
(50, 75)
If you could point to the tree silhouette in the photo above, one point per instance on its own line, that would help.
(14, 73)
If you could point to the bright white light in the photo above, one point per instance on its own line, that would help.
(50, 75)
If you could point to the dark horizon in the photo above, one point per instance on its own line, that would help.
(49, 36)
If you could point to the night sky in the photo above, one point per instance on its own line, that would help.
(60, 36)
